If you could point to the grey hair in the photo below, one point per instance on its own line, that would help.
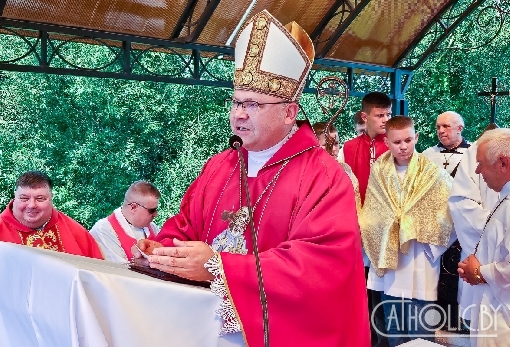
(458, 118)
(498, 144)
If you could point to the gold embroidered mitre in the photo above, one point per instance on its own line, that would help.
(271, 58)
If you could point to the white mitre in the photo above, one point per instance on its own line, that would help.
(271, 58)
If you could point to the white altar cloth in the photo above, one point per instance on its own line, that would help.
(51, 299)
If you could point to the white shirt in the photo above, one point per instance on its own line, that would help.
(470, 203)
(256, 160)
(494, 296)
(108, 240)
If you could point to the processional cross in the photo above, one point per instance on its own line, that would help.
(493, 93)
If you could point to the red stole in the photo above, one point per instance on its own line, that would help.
(357, 156)
(126, 241)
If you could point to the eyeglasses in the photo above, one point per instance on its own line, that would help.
(150, 210)
(249, 106)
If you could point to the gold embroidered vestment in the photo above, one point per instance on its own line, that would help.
(397, 211)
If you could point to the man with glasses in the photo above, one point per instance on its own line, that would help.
(118, 232)
(303, 205)
(30, 219)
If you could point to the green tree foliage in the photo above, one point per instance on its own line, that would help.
(94, 136)
(452, 77)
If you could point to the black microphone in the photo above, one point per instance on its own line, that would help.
(235, 143)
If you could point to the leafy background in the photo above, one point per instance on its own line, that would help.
(96, 136)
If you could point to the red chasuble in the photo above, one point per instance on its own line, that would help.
(309, 243)
(62, 234)
(357, 156)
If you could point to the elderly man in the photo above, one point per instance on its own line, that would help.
(448, 152)
(470, 202)
(118, 232)
(488, 267)
(30, 219)
(304, 212)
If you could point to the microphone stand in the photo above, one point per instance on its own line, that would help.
(236, 143)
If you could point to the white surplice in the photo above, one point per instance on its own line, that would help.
(448, 159)
(491, 311)
(470, 203)
(416, 275)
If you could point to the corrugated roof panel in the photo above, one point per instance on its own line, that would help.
(152, 18)
(228, 14)
(384, 29)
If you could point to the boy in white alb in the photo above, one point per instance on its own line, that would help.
(406, 226)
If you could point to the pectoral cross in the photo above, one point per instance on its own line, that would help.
(445, 164)
(493, 93)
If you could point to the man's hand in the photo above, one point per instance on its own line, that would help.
(186, 260)
(469, 270)
(146, 246)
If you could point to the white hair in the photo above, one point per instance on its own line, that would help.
(498, 144)
(457, 117)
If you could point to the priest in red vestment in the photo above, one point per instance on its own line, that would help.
(304, 211)
(30, 219)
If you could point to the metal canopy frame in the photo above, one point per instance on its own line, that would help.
(438, 29)
(179, 59)
(348, 12)
(186, 21)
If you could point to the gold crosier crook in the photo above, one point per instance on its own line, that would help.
(331, 93)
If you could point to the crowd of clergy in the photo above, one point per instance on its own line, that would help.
(364, 243)
(435, 245)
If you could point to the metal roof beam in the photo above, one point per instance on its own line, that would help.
(126, 59)
(187, 13)
(325, 20)
(117, 75)
(447, 30)
(59, 29)
(2, 6)
(342, 26)
(200, 24)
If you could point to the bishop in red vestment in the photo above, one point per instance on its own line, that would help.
(30, 219)
(304, 211)
(309, 243)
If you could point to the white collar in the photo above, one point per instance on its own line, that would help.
(264, 155)
(126, 225)
(505, 191)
